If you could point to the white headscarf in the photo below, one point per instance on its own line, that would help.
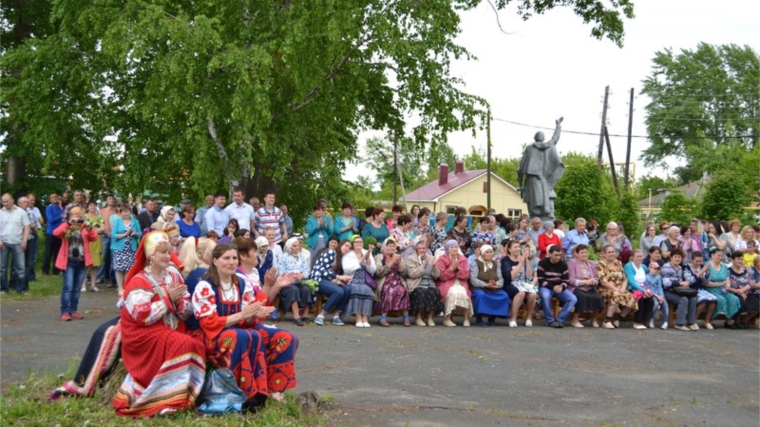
(487, 265)
(289, 245)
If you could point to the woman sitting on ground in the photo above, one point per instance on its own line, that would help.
(229, 309)
(424, 298)
(357, 264)
(584, 280)
(678, 291)
(488, 295)
(296, 296)
(331, 284)
(390, 285)
(614, 287)
(636, 274)
(165, 365)
(451, 283)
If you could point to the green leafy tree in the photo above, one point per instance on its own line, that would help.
(705, 107)
(197, 96)
(677, 208)
(629, 215)
(585, 191)
(725, 198)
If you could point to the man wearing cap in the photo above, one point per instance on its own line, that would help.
(241, 211)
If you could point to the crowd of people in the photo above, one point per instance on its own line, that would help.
(198, 285)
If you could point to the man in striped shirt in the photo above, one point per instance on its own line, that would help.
(553, 279)
(270, 216)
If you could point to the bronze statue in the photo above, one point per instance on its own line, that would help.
(540, 170)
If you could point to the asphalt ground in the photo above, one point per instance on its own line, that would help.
(438, 376)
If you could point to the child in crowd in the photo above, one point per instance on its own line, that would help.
(654, 283)
(751, 254)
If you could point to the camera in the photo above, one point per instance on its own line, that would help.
(79, 221)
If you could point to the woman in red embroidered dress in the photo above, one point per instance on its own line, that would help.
(229, 308)
(165, 365)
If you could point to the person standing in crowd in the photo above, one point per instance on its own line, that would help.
(438, 232)
(54, 215)
(376, 227)
(647, 238)
(94, 221)
(558, 223)
(396, 211)
(614, 237)
(270, 216)
(241, 211)
(255, 203)
(422, 228)
(65, 199)
(216, 217)
(522, 229)
(459, 233)
(575, 237)
(553, 281)
(150, 215)
(671, 242)
(31, 243)
(547, 239)
(345, 227)
(319, 227)
(105, 272)
(39, 224)
(535, 230)
(287, 220)
(137, 205)
(484, 233)
(78, 202)
(187, 226)
(663, 226)
(403, 237)
(125, 237)
(200, 214)
(14, 234)
(73, 259)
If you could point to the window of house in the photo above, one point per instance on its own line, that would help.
(514, 213)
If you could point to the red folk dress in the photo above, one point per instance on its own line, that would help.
(165, 365)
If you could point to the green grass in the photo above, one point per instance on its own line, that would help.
(27, 404)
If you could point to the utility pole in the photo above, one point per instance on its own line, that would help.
(488, 160)
(628, 149)
(612, 162)
(604, 125)
(395, 167)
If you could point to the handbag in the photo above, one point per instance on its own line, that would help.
(688, 293)
(369, 280)
(220, 393)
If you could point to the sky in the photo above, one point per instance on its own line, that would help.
(550, 67)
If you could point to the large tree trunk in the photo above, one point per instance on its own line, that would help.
(16, 170)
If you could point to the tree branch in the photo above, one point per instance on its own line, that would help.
(219, 146)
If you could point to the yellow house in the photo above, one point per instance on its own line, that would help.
(468, 189)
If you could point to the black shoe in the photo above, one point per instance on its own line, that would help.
(255, 404)
(740, 326)
(491, 321)
(731, 326)
(299, 322)
(556, 325)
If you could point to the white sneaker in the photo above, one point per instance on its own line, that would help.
(430, 322)
(577, 325)
(651, 324)
(637, 326)
(365, 325)
(83, 290)
(616, 323)
(466, 323)
(419, 322)
(694, 327)
(512, 324)
(682, 328)
(449, 323)
(664, 326)
(608, 325)
(528, 323)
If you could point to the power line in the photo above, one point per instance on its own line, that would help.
(616, 135)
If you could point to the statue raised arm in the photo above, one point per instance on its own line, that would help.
(540, 170)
